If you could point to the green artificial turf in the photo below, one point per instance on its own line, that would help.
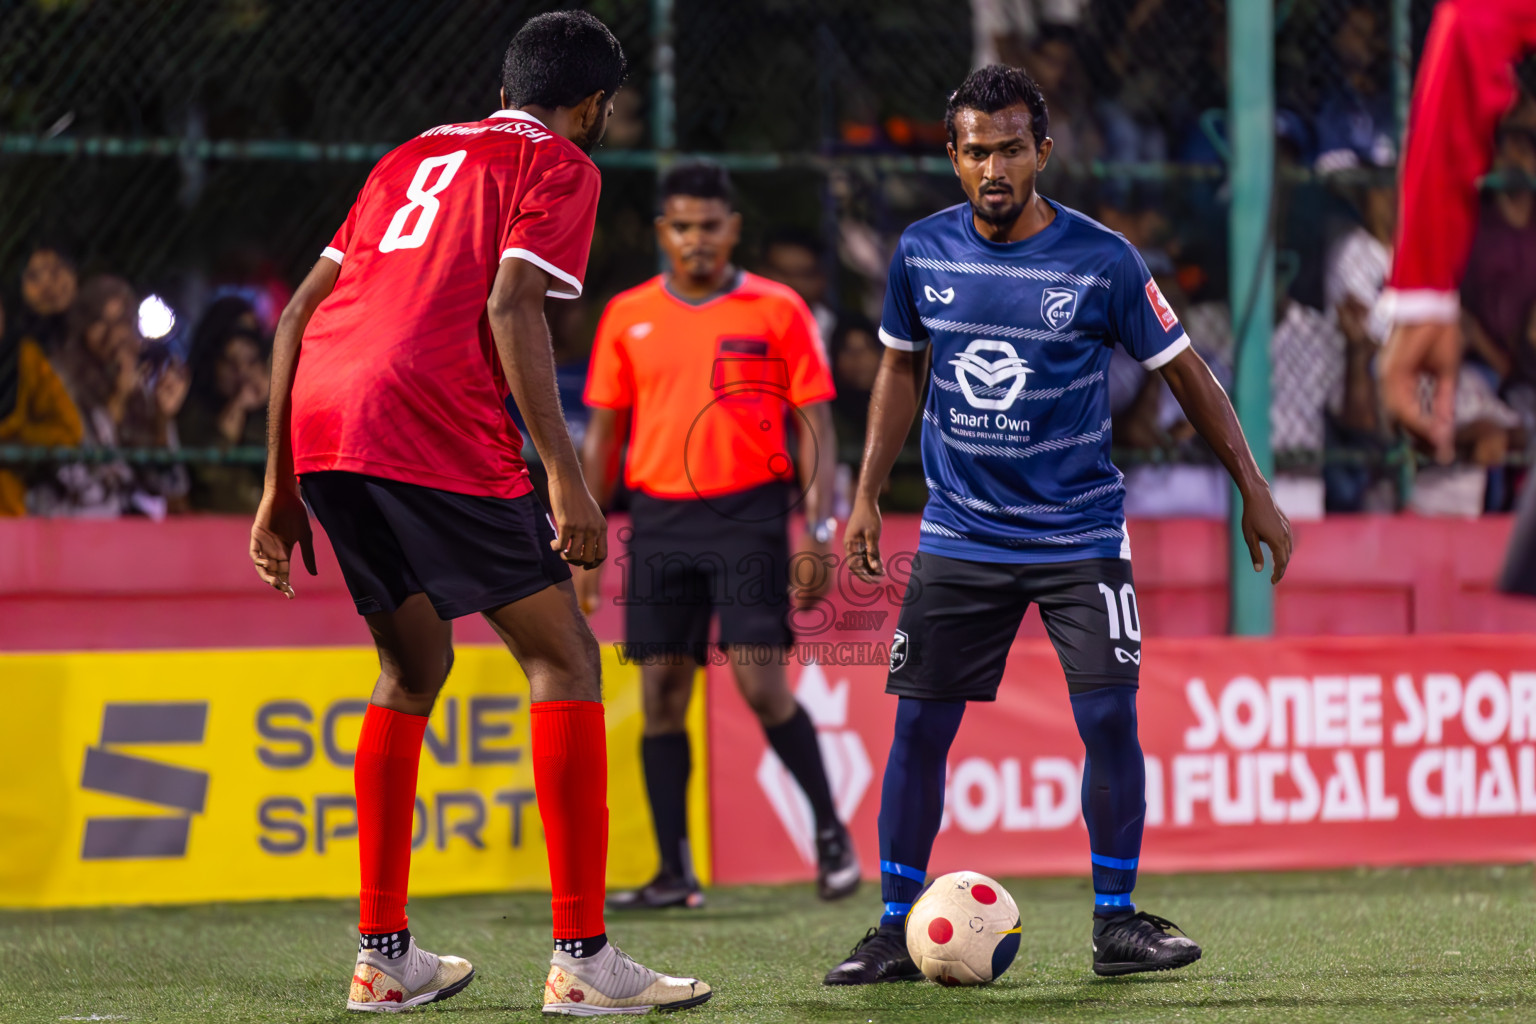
(1423, 945)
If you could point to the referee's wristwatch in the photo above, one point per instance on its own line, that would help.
(824, 531)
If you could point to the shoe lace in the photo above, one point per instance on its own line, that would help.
(876, 940)
(1150, 926)
(626, 972)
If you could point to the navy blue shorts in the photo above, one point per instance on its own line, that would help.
(468, 553)
(959, 618)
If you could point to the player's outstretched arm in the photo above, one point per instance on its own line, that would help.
(1210, 412)
(282, 522)
(892, 407)
(516, 313)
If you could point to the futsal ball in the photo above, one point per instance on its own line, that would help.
(963, 929)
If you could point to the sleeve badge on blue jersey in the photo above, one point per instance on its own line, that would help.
(1165, 314)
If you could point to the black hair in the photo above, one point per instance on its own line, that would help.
(223, 322)
(799, 238)
(998, 87)
(701, 179)
(561, 58)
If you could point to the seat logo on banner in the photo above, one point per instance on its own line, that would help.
(183, 792)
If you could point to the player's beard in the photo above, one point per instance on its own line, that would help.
(1003, 217)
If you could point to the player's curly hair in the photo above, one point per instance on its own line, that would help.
(998, 87)
(699, 179)
(561, 58)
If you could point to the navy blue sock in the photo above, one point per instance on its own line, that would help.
(1114, 793)
(912, 798)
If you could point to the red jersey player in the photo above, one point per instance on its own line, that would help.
(389, 373)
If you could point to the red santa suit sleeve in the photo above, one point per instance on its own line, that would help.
(1465, 84)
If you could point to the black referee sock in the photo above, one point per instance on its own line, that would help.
(795, 743)
(668, 760)
(390, 944)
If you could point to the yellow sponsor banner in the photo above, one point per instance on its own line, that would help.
(178, 777)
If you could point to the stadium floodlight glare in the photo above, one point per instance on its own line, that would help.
(156, 318)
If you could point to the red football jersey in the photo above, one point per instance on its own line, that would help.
(398, 375)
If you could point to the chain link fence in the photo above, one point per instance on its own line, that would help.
(199, 147)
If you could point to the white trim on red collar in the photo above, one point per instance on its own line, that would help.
(519, 115)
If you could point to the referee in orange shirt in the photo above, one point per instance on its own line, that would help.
(702, 367)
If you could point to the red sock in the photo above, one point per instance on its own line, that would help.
(384, 774)
(570, 777)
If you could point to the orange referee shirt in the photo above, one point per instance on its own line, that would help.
(709, 386)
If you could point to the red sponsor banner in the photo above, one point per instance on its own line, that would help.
(1275, 754)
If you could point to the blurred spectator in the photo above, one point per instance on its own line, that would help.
(1001, 30)
(226, 405)
(856, 354)
(1500, 286)
(1354, 121)
(128, 396)
(48, 287)
(34, 410)
(794, 258)
(1053, 63)
(1316, 373)
(1358, 265)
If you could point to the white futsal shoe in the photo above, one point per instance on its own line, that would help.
(384, 985)
(611, 982)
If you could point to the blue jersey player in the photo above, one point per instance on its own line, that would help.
(1011, 305)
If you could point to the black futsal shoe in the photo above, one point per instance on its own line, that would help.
(881, 955)
(837, 865)
(1139, 942)
(659, 893)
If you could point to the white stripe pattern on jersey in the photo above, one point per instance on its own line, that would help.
(1006, 270)
(941, 531)
(1102, 533)
(1021, 511)
(998, 330)
(999, 391)
(1055, 444)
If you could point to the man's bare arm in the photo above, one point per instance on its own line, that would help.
(817, 451)
(282, 522)
(285, 362)
(606, 431)
(516, 313)
(1210, 412)
(892, 408)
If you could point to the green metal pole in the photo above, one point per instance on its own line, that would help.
(1251, 130)
(663, 82)
(1402, 66)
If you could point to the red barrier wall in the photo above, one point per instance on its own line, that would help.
(187, 583)
(1261, 755)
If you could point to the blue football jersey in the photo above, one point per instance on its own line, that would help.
(1015, 431)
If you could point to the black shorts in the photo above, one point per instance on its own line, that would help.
(958, 620)
(690, 559)
(467, 553)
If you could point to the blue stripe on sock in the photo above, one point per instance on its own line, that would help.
(890, 867)
(897, 909)
(1114, 862)
(1102, 900)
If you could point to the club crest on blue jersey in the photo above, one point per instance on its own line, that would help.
(1058, 306)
